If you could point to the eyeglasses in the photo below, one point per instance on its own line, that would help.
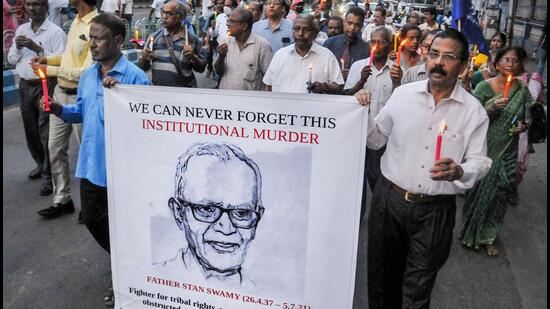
(241, 218)
(447, 57)
(509, 61)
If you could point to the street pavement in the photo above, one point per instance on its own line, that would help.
(57, 264)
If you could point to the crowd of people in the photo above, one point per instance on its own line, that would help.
(411, 79)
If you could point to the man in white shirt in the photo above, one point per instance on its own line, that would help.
(38, 37)
(156, 7)
(304, 66)
(221, 20)
(379, 20)
(412, 213)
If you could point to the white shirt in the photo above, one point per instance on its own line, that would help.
(128, 7)
(321, 38)
(54, 14)
(221, 28)
(409, 124)
(110, 6)
(49, 36)
(370, 28)
(157, 5)
(379, 84)
(289, 72)
(205, 5)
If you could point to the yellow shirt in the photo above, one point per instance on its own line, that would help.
(69, 66)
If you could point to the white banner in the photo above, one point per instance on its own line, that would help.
(233, 199)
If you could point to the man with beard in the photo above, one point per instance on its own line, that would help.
(304, 66)
(67, 67)
(349, 47)
(172, 59)
(276, 29)
(106, 38)
(412, 213)
(37, 37)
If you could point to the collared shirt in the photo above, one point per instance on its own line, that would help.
(69, 66)
(278, 38)
(221, 28)
(289, 72)
(55, 7)
(425, 26)
(245, 68)
(370, 28)
(49, 36)
(89, 109)
(414, 74)
(409, 124)
(164, 72)
(358, 50)
(379, 83)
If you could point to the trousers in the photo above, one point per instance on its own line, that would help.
(408, 243)
(58, 145)
(95, 212)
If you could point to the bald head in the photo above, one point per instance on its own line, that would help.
(177, 6)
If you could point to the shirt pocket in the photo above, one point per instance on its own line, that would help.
(452, 146)
(250, 75)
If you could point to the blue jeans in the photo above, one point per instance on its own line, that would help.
(542, 60)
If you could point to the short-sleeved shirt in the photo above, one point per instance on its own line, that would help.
(110, 6)
(164, 72)
(358, 50)
(245, 68)
(278, 38)
(414, 74)
(289, 72)
(379, 83)
(157, 5)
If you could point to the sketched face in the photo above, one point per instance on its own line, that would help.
(220, 210)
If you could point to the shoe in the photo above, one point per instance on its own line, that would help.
(80, 220)
(46, 189)
(57, 210)
(36, 172)
(531, 148)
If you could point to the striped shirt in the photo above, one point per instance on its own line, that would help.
(164, 72)
(414, 74)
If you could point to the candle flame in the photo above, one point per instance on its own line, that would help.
(442, 127)
(403, 43)
(41, 74)
(509, 80)
(228, 33)
(373, 49)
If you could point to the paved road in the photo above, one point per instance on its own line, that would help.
(57, 264)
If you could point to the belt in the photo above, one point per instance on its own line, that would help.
(417, 198)
(69, 91)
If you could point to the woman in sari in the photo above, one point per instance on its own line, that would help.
(486, 71)
(486, 203)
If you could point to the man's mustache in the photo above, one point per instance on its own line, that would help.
(438, 70)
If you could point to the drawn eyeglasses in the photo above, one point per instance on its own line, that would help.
(241, 218)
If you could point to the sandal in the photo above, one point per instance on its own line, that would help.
(492, 251)
(109, 299)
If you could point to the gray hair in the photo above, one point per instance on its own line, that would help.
(224, 152)
(386, 33)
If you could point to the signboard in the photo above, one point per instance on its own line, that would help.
(233, 199)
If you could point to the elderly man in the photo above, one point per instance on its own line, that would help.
(412, 213)
(256, 8)
(349, 47)
(67, 67)
(304, 66)
(335, 26)
(217, 203)
(171, 53)
(37, 37)
(243, 61)
(418, 72)
(276, 29)
(415, 18)
(379, 20)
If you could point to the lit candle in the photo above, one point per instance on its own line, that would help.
(310, 78)
(371, 55)
(137, 36)
(186, 35)
(472, 63)
(442, 130)
(45, 90)
(342, 62)
(151, 43)
(395, 42)
(398, 60)
(474, 49)
(507, 86)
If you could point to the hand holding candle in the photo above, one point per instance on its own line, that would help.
(439, 141)
(343, 63)
(399, 51)
(372, 50)
(46, 100)
(310, 78)
(507, 86)
(186, 35)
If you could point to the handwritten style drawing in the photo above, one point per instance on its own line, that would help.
(217, 204)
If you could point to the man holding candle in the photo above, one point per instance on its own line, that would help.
(412, 213)
(349, 47)
(243, 61)
(67, 67)
(304, 66)
(172, 53)
(37, 37)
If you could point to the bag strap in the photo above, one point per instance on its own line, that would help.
(175, 61)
